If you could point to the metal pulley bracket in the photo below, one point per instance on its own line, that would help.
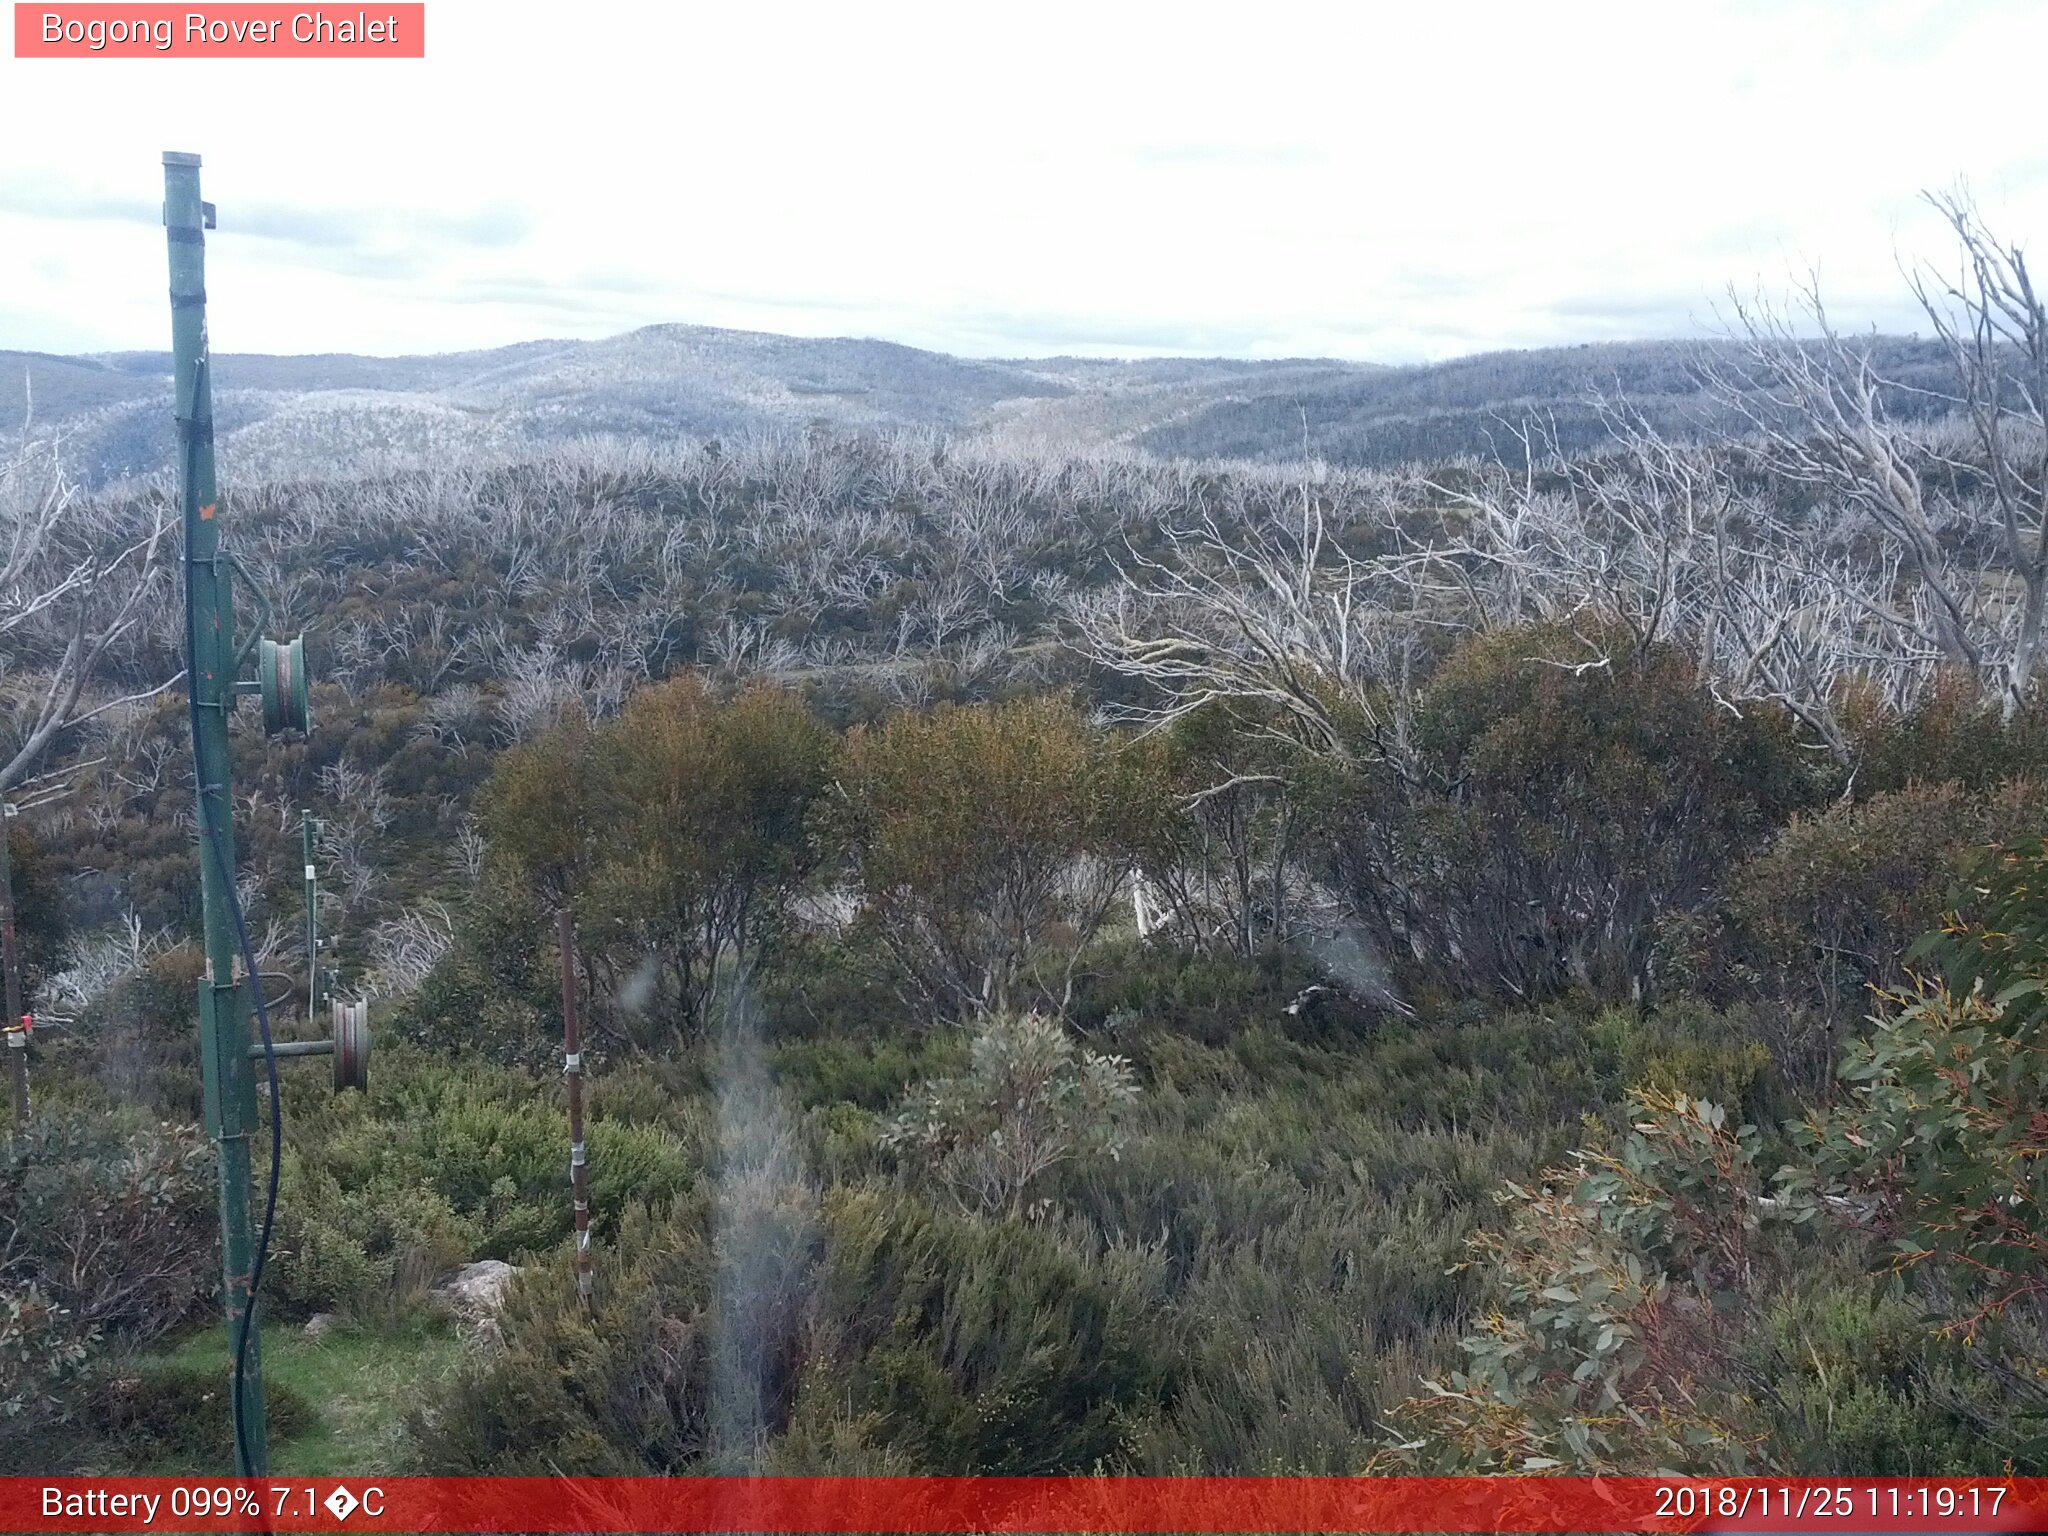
(349, 1045)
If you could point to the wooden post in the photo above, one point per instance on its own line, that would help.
(572, 1068)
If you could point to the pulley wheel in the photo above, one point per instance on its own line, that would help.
(351, 1045)
(281, 676)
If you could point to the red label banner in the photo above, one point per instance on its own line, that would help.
(224, 31)
(1043, 1504)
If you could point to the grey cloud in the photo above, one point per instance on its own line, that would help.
(567, 298)
(998, 333)
(798, 303)
(47, 200)
(350, 261)
(1685, 309)
(327, 230)
(492, 227)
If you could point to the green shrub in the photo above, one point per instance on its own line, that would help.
(466, 1004)
(968, 1345)
(870, 1073)
(493, 1142)
(916, 1341)
(987, 845)
(678, 835)
(657, 1092)
(1686, 1047)
(1029, 1101)
(366, 1249)
(1954, 733)
(1849, 1381)
(1939, 1140)
(175, 1417)
(111, 1215)
(42, 928)
(833, 986)
(1830, 910)
(44, 1350)
(1623, 1278)
(138, 1039)
(1554, 814)
(444, 1161)
(625, 1388)
(1211, 998)
(106, 1240)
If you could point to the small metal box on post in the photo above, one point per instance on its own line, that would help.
(228, 992)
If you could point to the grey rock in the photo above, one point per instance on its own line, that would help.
(477, 1290)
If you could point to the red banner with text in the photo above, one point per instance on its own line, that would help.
(228, 31)
(1041, 1504)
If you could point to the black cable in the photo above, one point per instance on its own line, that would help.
(210, 836)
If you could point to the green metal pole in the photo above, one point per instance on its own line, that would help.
(228, 1078)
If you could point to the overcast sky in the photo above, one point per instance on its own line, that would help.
(1381, 181)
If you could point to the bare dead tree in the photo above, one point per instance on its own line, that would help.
(1660, 542)
(457, 716)
(98, 963)
(538, 689)
(1847, 445)
(1826, 417)
(1996, 330)
(75, 578)
(467, 852)
(405, 949)
(1270, 613)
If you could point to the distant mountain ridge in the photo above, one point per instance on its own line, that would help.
(338, 413)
